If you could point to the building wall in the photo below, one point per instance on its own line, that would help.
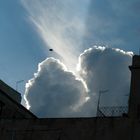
(10, 91)
(134, 102)
(70, 129)
(10, 108)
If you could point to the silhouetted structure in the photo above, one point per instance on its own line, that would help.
(17, 123)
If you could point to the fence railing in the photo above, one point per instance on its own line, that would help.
(112, 111)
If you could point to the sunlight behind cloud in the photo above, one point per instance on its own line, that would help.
(61, 24)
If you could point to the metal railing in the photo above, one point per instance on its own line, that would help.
(112, 111)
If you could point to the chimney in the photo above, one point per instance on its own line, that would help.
(134, 99)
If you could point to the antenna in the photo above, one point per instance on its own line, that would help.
(17, 83)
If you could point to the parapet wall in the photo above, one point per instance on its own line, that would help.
(70, 129)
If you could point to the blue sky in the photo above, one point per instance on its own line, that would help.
(20, 46)
(115, 23)
(23, 46)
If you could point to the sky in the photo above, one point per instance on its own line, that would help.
(21, 47)
(30, 27)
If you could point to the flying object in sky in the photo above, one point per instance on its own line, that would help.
(51, 50)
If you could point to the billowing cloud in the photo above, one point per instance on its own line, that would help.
(56, 92)
(106, 68)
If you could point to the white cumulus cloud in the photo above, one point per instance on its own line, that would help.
(106, 68)
(56, 92)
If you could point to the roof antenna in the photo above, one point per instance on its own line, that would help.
(17, 83)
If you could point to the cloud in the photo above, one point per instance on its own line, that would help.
(69, 28)
(56, 92)
(106, 68)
